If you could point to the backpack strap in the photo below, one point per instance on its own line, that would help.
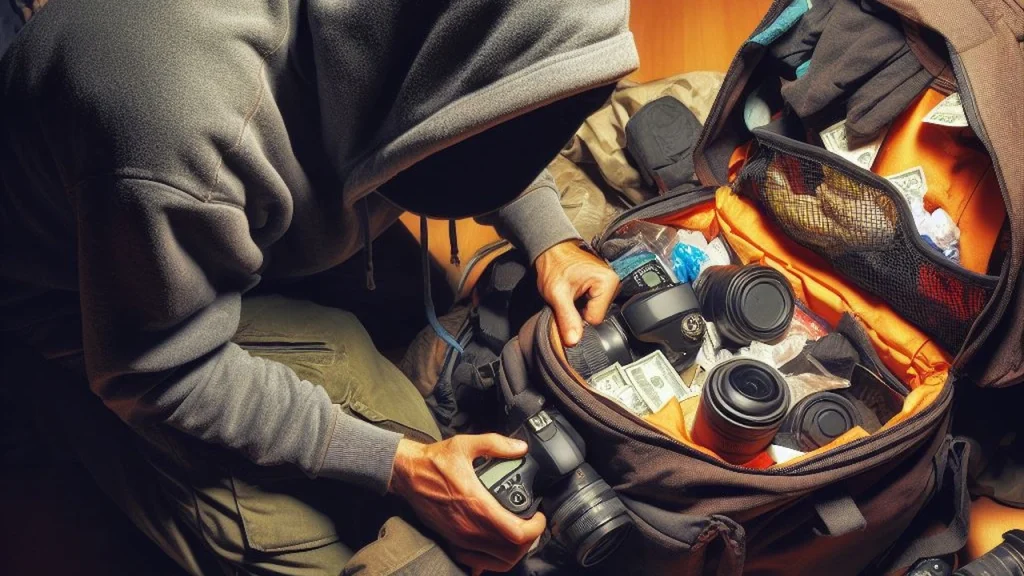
(840, 515)
(951, 460)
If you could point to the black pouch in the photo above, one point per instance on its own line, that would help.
(661, 137)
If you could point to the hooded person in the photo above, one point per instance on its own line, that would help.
(160, 158)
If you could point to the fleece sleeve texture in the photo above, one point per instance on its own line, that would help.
(534, 221)
(162, 273)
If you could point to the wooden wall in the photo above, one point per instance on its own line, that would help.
(674, 36)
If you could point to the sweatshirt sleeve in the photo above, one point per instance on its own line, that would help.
(535, 220)
(161, 276)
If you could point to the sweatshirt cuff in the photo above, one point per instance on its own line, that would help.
(360, 453)
(535, 221)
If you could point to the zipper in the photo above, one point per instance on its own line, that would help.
(700, 165)
(814, 154)
(479, 255)
(657, 206)
(281, 347)
(847, 454)
(977, 335)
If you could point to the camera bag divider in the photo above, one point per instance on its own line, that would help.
(865, 503)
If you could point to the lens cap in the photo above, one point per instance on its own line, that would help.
(817, 420)
(746, 303)
(743, 403)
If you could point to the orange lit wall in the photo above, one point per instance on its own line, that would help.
(676, 36)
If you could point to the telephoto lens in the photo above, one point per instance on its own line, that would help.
(743, 403)
(1007, 559)
(746, 303)
(600, 346)
(817, 420)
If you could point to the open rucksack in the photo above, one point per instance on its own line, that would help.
(869, 503)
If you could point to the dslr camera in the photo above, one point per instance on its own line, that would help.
(584, 513)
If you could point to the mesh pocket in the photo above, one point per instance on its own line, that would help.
(866, 232)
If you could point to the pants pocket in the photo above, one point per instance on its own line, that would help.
(283, 515)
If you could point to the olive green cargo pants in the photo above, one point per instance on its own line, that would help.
(214, 512)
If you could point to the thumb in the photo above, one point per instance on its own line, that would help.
(497, 446)
(570, 325)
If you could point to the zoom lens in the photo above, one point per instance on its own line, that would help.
(743, 403)
(586, 515)
(1007, 559)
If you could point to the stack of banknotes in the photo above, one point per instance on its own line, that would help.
(642, 387)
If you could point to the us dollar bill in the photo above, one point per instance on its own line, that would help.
(656, 381)
(949, 112)
(836, 141)
(612, 383)
(911, 183)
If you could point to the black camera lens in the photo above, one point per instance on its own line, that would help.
(817, 420)
(1007, 559)
(586, 515)
(746, 303)
(743, 403)
(599, 347)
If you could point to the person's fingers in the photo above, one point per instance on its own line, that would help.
(534, 527)
(496, 446)
(601, 293)
(570, 324)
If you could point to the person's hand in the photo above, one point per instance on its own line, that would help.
(565, 273)
(439, 482)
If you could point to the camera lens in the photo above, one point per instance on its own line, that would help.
(586, 515)
(599, 347)
(1007, 559)
(743, 403)
(817, 420)
(746, 303)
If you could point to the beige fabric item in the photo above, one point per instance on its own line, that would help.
(600, 144)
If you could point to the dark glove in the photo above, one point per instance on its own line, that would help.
(854, 51)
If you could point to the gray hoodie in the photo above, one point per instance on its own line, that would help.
(159, 158)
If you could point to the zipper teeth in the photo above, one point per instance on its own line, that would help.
(659, 438)
(857, 173)
(974, 120)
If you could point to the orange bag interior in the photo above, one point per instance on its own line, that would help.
(904, 349)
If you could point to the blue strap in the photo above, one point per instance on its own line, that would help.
(428, 300)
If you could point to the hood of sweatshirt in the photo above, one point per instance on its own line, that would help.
(419, 78)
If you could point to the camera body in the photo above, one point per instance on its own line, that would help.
(667, 318)
(584, 512)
